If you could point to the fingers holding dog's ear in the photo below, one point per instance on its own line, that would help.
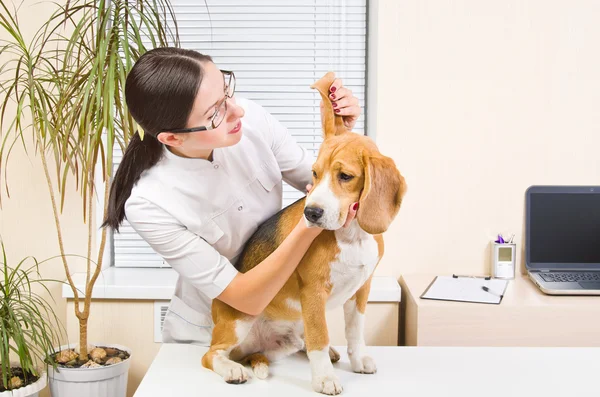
(339, 93)
(344, 103)
(347, 106)
(335, 86)
(351, 214)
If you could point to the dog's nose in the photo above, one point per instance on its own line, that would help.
(313, 214)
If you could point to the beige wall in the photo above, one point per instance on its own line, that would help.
(476, 100)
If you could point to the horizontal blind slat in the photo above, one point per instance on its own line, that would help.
(298, 8)
(357, 76)
(304, 44)
(316, 17)
(280, 89)
(287, 67)
(269, 3)
(263, 32)
(321, 62)
(185, 21)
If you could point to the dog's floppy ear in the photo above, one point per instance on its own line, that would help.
(332, 125)
(382, 194)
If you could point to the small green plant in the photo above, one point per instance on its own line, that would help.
(28, 325)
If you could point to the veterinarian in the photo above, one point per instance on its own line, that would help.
(206, 174)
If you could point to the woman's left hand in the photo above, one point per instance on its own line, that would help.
(344, 103)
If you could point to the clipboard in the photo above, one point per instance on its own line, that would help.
(471, 289)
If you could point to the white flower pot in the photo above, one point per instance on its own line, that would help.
(31, 390)
(109, 381)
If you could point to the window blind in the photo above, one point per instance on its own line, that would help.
(277, 49)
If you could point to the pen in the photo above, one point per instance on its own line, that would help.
(486, 289)
(483, 277)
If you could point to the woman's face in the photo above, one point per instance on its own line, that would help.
(209, 98)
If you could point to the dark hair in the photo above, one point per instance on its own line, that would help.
(160, 91)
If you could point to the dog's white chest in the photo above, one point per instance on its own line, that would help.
(355, 263)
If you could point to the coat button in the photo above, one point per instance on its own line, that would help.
(240, 208)
(216, 166)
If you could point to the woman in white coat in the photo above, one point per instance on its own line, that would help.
(207, 173)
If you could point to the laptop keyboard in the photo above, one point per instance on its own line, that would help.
(564, 277)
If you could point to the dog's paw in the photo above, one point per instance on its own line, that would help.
(237, 374)
(363, 365)
(334, 356)
(329, 384)
(261, 370)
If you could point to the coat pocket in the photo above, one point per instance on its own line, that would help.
(183, 324)
(268, 176)
(211, 232)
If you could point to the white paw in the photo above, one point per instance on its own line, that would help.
(363, 365)
(327, 385)
(261, 370)
(237, 374)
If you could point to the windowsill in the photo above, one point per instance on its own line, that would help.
(159, 284)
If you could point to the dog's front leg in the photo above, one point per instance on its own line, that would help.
(354, 315)
(316, 337)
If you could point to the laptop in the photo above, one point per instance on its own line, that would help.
(562, 245)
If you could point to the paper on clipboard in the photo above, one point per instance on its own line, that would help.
(466, 289)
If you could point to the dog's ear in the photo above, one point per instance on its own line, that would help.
(382, 194)
(332, 125)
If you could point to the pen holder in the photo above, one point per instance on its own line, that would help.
(503, 260)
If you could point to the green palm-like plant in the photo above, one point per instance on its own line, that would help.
(68, 86)
(28, 325)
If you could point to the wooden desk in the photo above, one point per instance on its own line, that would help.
(525, 317)
(402, 371)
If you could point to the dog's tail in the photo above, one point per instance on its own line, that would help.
(332, 125)
(259, 364)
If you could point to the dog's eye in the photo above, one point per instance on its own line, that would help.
(345, 177)
(315, 174)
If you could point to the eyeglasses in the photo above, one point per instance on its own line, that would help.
(219, 114)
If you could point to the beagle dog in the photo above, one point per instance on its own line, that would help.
(336, 270)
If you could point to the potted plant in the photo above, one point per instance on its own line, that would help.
(68, 86)
(29, 329)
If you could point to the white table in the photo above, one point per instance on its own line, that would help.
(402, 371)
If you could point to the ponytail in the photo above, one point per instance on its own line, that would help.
(139, 156)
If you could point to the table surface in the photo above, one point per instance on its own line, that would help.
(408, 371)
(520, 292)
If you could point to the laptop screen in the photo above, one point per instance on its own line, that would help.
(564, 228)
